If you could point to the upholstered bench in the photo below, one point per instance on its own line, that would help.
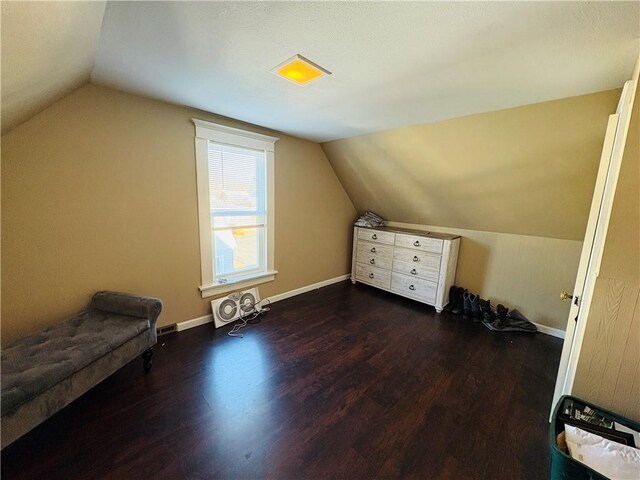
(43, 373)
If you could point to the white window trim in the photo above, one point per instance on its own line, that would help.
(206, 132)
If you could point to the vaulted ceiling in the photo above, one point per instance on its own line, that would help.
(48, 50)
(394, 63)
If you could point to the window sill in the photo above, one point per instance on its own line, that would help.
(237, 284)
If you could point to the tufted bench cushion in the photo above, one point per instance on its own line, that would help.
(42, 373)
(37, 362)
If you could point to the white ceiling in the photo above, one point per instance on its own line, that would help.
(394, 63)
(48, 50)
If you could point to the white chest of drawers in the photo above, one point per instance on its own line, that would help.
(414, 264)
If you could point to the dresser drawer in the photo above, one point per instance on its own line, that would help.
(414, 287)
(416, 263)
(425, 244)
(373, 275)
(375, 254)
(377, 236)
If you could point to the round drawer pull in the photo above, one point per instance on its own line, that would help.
(413, 272)
(372, 261)
(374, 237)
(373, 249)
(416, 259)
(411, 287)
(371, 275)
(416, 243)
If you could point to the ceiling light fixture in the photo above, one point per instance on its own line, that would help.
(300, 70)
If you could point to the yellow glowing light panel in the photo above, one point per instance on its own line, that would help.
(300, 71)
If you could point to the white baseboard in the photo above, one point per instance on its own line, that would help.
(554, 332)
(308, 288)
(196, 322)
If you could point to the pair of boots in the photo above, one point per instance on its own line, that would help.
(477, 308)
(500, 320)
(469, 305)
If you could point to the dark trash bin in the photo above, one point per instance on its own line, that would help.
(563, 467)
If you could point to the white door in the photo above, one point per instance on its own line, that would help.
(593, 246)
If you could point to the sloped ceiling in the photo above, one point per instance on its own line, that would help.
(48, 50)
(527, 170)
(394, 63)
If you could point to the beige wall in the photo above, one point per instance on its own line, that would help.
(99, 192)
(528, 170)
(608, 371)
(516, 184)
(519, 271)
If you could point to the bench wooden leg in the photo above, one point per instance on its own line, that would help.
(147, 359)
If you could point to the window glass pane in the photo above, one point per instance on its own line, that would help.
(236, 221)
(237, 249)
(236, 179)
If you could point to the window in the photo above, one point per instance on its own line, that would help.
(235, 206)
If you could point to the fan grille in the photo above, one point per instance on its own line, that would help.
(227, 309)
(247, 303)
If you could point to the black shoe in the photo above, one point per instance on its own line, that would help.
(501, 321)
(470, 304)
(487, 313)
(501, 311)
(453, 298)
(458, 307)
(475, 308)
(466, 304)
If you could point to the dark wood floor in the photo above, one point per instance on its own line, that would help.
(344, 382)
